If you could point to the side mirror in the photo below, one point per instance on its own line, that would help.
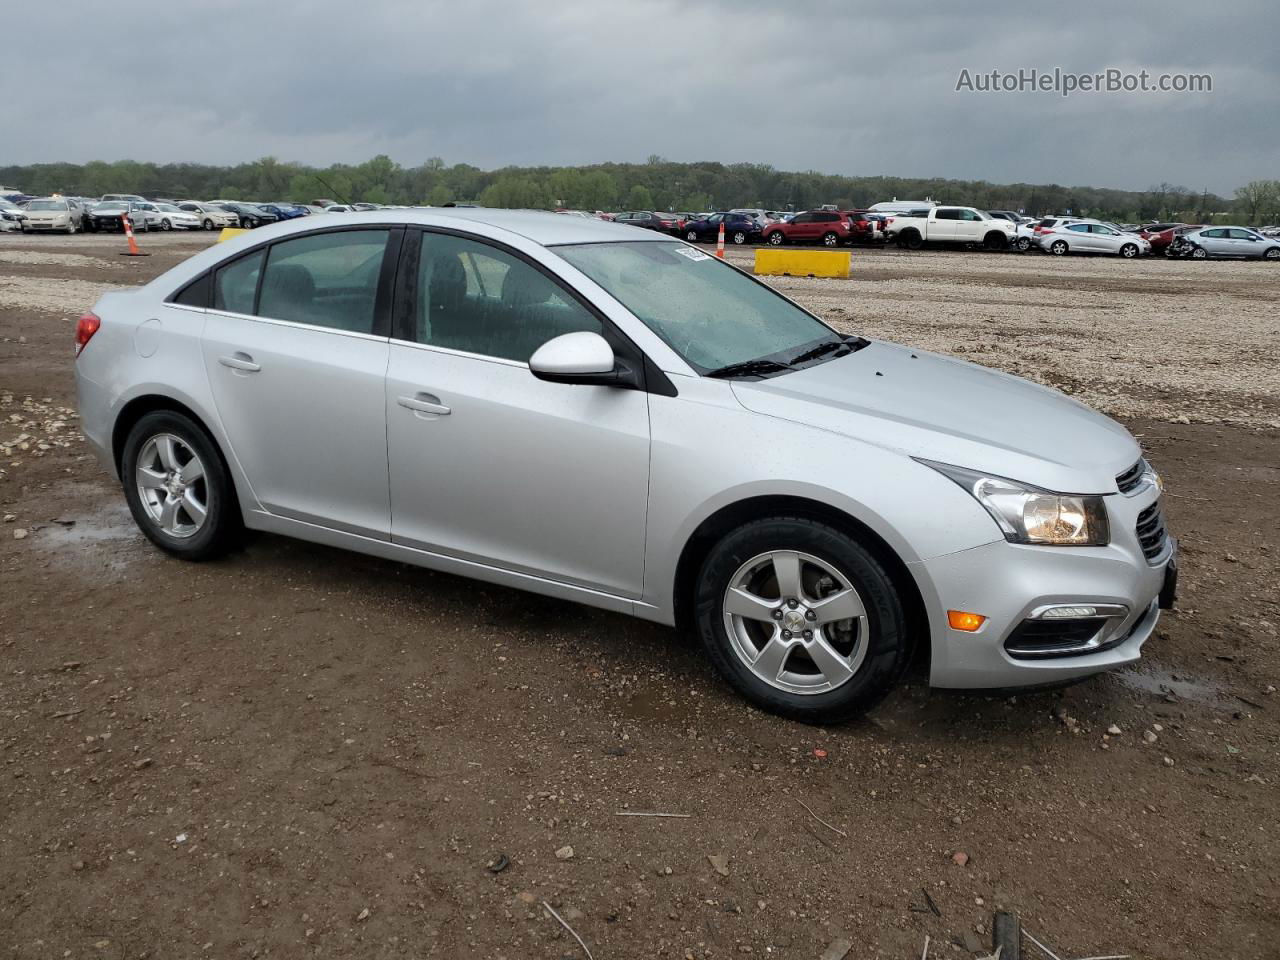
(582, 357)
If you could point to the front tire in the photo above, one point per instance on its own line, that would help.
(1272, 254)
(801, 620)
(995, 241)
(166, 225)
(1129, 251)
(208, 224)
(178, 488)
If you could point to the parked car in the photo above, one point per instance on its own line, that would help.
(11, 216)
(338, 208)
(662, 222)
(951, 225)
(212, 216)
(738, 228)
(248, 214)
(866, 227)
(1231, 242)
(110, 214)
(757, 214)
(1091, 236)
(173, 217)
(47, 214)
(812, 575)
(116, 197)
(1024, 236)
(283, 211)
(1011, 215)
(827, 227)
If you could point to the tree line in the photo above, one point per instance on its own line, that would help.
(657, 184)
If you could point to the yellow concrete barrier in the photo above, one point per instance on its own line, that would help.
(230, 232)
(803, 263)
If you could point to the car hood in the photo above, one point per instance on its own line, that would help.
(937, 408)
(45, 214)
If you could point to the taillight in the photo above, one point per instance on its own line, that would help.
(85, 329)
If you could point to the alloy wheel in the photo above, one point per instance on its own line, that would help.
(796, 622)
(172, 487)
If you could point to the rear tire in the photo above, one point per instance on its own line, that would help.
(1059, 248)
(691, 236)
(857, 660)
(831, 239)
(910, 240)
(178, 488)
(1199, 253)
(1023, 244)
(776, 239)
(739, 237)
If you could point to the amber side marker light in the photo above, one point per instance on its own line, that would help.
(963, 620)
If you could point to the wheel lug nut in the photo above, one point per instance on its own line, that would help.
(777, 614)
(786, 634)
(808, 634)
(793, 603)
(810, 615)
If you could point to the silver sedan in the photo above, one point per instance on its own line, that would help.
(1234, 242)
(605, 414)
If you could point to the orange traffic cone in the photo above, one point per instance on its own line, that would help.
(133, 244)
(720, 242)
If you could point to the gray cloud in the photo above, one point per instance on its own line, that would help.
(841, 87)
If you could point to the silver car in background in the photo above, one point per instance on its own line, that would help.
(211, 216)
(1090, 236)
(1233, 242)
(49, 214)
(605, 414)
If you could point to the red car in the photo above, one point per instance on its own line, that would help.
(1162, 234)
(828, 227)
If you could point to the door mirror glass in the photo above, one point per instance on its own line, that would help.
(573, 355)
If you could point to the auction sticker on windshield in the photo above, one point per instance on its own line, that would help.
(692, 254)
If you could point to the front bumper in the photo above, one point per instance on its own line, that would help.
(1012, 584)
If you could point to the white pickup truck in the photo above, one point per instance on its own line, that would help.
(914, 229)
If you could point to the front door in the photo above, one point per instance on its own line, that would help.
(489, 463)
(295, 348)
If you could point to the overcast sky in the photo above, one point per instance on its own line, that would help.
(840, 86)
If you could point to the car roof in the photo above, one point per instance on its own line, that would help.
(542, 227)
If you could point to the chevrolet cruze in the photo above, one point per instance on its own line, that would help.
(608, 415)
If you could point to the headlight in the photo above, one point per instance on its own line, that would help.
(1027, 514)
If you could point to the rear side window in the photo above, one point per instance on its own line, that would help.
(235, 284)
(325, 280)
(947, 214)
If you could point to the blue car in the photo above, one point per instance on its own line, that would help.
(738, 228)
(283, 211)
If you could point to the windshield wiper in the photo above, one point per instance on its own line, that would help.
(822, 349)
(750, 368)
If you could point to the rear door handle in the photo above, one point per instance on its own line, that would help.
(240, 361)
(423, 402)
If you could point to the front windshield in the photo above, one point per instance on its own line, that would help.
(713, 315)
(47, 205)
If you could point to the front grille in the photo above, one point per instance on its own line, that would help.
(1131, 478)
(1152, 534)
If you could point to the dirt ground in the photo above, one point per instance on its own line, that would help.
(300, 752)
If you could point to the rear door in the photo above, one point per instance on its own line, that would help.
(295, 347)
(1079, 238)
(944, 223)
(488, 463)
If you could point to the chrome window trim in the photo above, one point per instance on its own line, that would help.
(294, 324)
(465, 354)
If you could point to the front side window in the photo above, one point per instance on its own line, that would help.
(235, 284)
(1241, 235)
(710, 313)
(325, 280)
(479, 299)
(971, 215)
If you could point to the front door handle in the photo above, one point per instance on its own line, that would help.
(240, 361)
(423, 402)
